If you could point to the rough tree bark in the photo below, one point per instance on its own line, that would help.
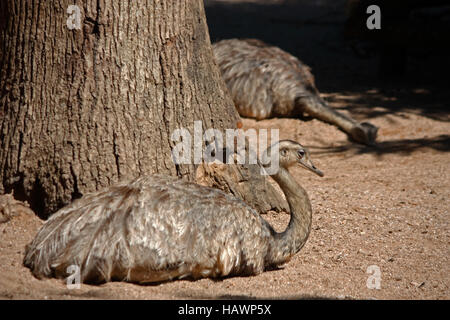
(82, 108)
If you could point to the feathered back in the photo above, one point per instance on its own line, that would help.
(263, 80)
(151, 229)
(80, 233)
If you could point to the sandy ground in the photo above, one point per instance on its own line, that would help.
(386, 206)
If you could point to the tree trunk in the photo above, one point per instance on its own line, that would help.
(83, 108)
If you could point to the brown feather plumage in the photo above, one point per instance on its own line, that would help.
(265, 81)
(157, 228)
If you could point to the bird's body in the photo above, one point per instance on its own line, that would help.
(265, 81)
(157, 228)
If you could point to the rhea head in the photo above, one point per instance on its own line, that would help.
(291, 153)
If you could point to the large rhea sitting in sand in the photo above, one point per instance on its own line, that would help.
(159, 228)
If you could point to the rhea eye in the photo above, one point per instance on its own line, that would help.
(301, 153)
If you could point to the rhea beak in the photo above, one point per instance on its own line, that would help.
(307, 163)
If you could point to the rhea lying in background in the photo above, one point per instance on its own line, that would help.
(266, 82)
(158, 228)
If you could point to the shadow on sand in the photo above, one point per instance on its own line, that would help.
(403, 147)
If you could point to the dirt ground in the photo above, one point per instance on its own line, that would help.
(386, 206)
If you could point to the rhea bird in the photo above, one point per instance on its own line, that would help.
(265, 81)
(159, 228)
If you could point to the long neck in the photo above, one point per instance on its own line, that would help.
(286, 244)
(317, 108)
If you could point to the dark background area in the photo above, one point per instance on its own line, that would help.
(313, 30)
